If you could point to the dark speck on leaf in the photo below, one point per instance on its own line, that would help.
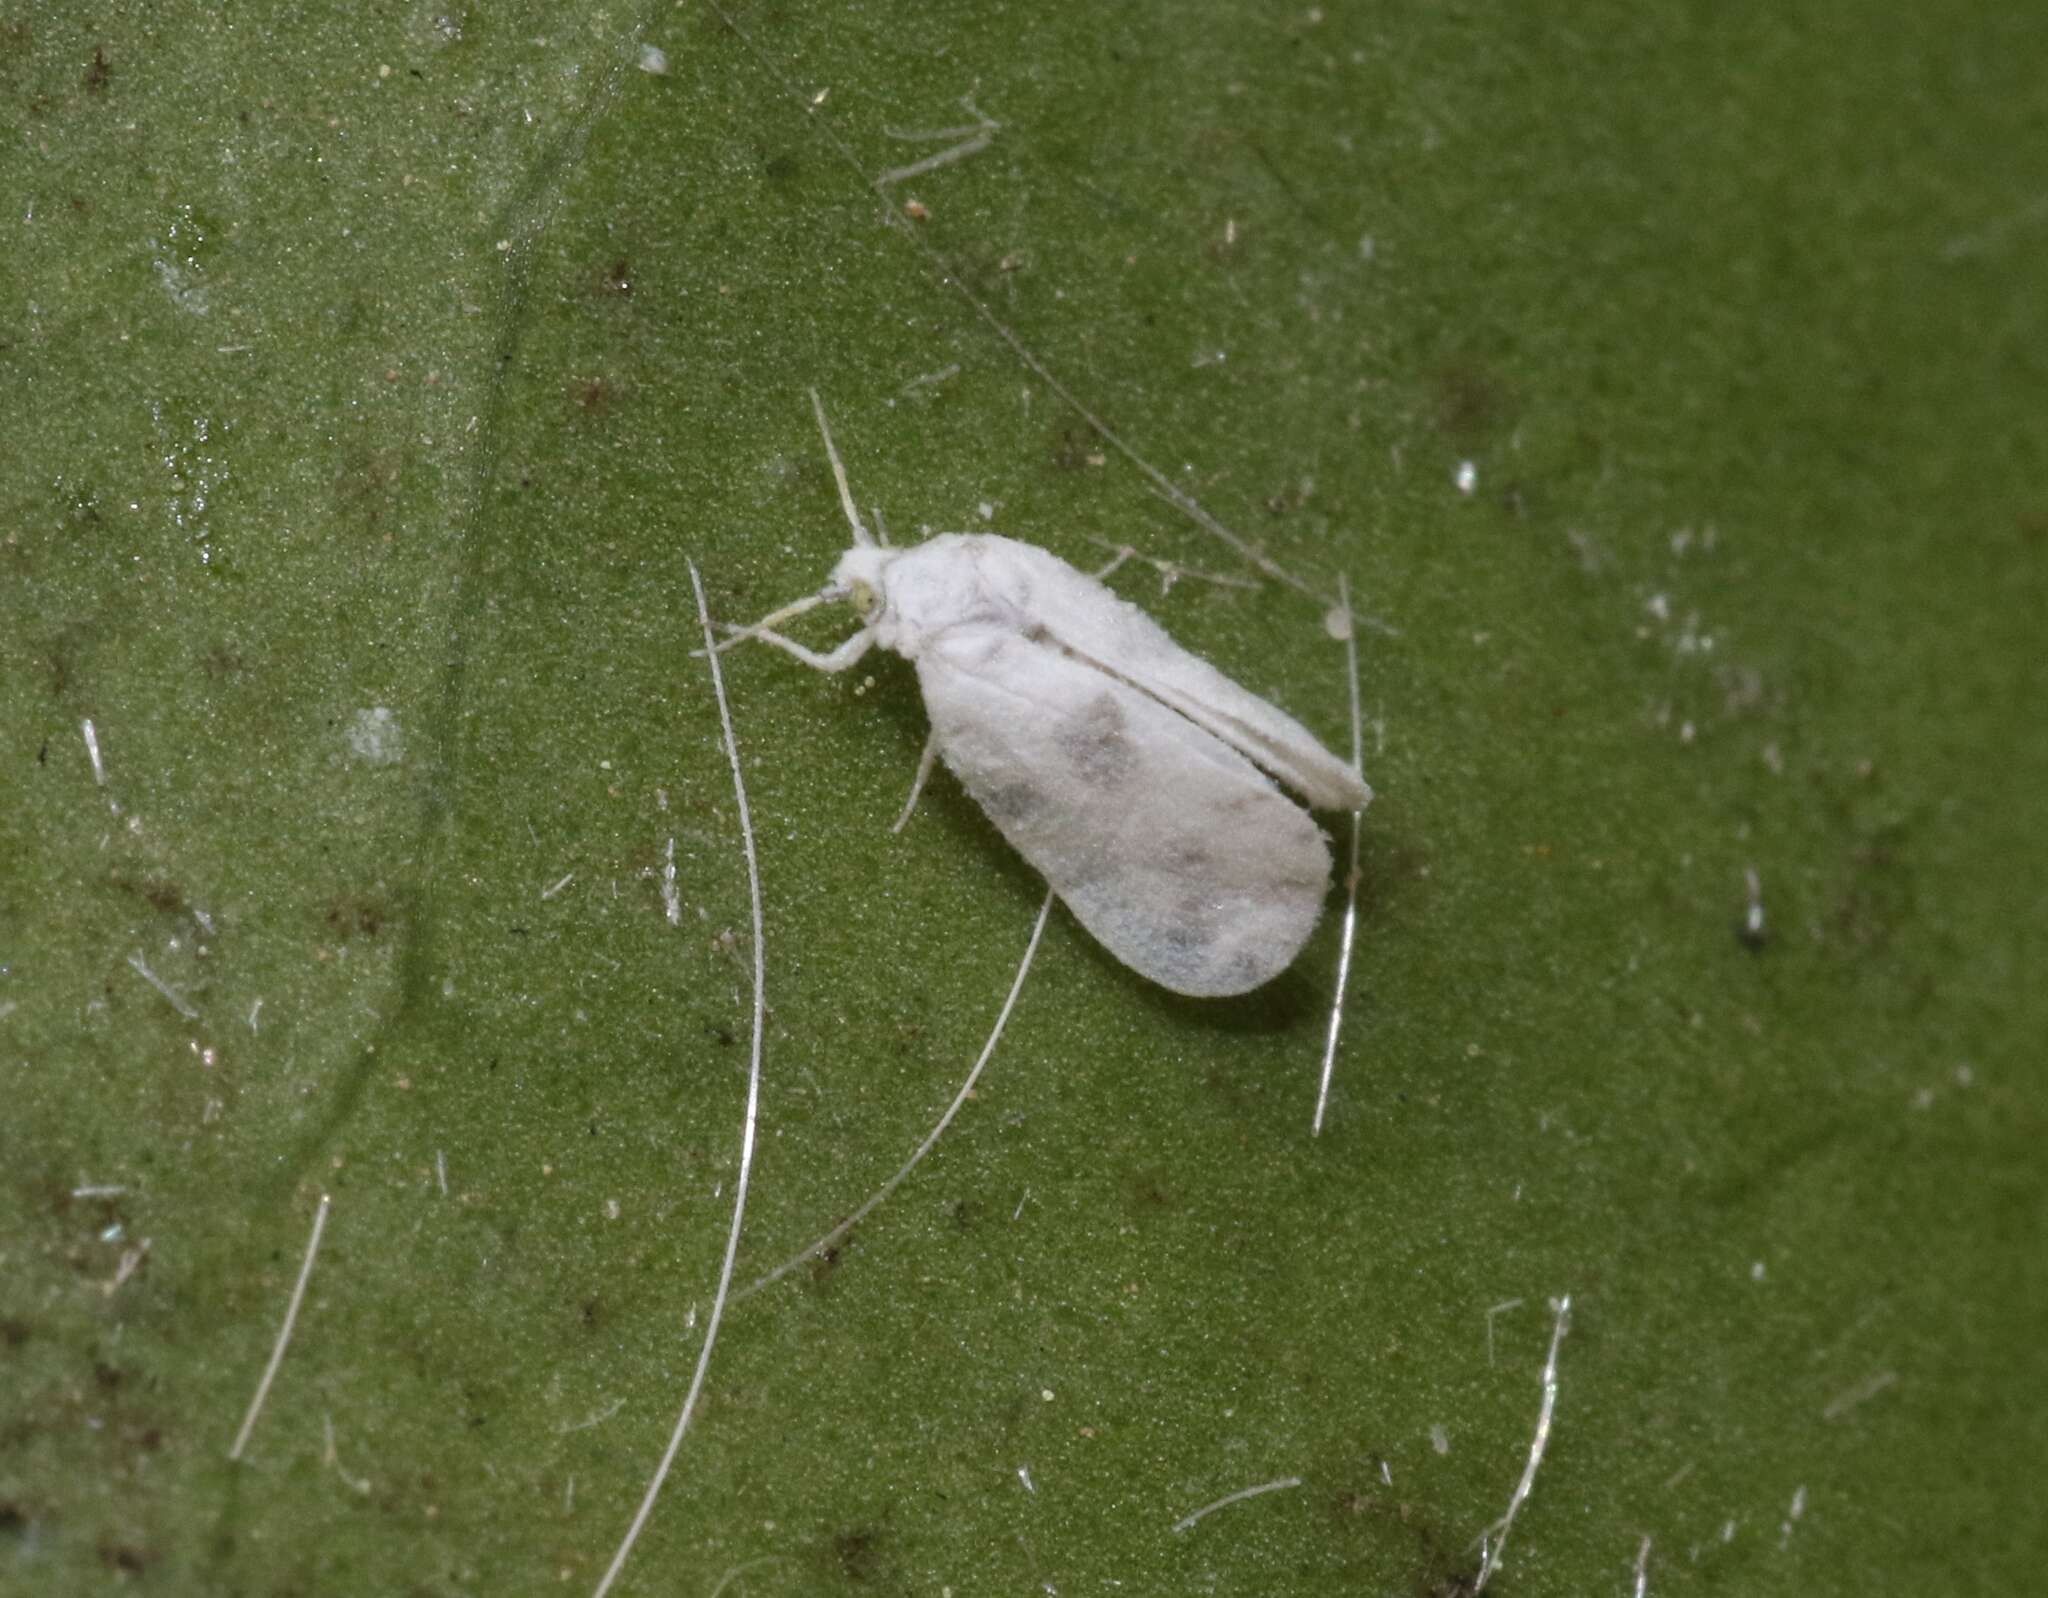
(858, 1553)
(1074, 450)
(1467, 399)
(128, 1560)
(827, 1260)
(348, 916)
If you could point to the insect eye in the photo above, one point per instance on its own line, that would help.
(863, 597)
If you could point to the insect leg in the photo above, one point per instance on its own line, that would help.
(1170, 571)
(925, 762)
(1124, 553)
(839, 659)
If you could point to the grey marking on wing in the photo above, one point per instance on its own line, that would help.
(1237, 803)
(1200, 918)
(1097, 743)
(1011, 802)
(1245, 971)
(1190, 942)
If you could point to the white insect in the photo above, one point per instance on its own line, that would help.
(1125, 769)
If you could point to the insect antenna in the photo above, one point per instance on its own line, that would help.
(860, 533)
(830, 593)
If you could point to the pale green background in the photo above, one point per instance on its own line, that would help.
(397, 358)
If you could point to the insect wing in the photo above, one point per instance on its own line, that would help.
(1177, 853)
(1116, 636)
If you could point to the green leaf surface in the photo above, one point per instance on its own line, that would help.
(1667, 382)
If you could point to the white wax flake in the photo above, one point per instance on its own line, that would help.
(671, 901)
(374, 737)
(1467, 477)
(1125, 769)
(1792, 1514)
(653, 59)
(183, 284)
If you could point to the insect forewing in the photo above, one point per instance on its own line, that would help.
(1117, 637)
(1178, 854)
